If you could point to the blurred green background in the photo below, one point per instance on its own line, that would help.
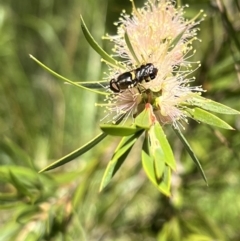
(42, 119)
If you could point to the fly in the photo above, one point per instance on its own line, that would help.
(131, 78)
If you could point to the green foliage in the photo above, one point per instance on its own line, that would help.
(213, 106)
(42, 119)
(119, 157)
(208, 118)
(96, 46)
(190, 152)
(78, 152)
(119, 130)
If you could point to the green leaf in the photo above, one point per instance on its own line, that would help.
(208, 118)
(159, 163)
(118, 158)
(116, 130)
(143, 120)
(75, 153)
(165, 184)
(211, 105)
(130, 47)
(190, 152)
(148, 162)
(166, 148)
(96, 46)
(65, 79)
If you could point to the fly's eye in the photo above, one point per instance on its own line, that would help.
(114, 86)
(154, 73)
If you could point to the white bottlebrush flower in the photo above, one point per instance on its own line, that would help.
(158, 34)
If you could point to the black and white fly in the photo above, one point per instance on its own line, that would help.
(134, 77)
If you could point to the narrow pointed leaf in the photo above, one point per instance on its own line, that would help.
(148, 162)
(116, 130)
(65, 79)
(159, 162)
(75, 153)
(112, 168)
(96, 46)
(166, 148)
(213, 106)
(190, 152)
(118, 158)
(143, 120)
(208, 118)
(130, 47)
